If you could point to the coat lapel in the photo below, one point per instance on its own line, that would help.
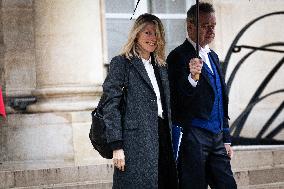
(139, 66)
(165, 83)
(164, 79)
(204, 74)
(215, 62)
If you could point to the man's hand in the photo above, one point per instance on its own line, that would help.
(195, 66)
(119, 159)
(229, 150)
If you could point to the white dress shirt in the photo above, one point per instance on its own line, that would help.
(203, 53)
(150, 70)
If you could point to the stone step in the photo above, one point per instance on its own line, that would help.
(252, 166)
(257, 177)
(253, 157)
(64, 175)
(100, 176)
(279, 185)
(77, 185)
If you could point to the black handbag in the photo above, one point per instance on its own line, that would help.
(97, 133)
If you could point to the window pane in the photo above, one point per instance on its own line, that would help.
(119, 6)
(175, 33)
(168, 6)
(117, 33)
(118, 29)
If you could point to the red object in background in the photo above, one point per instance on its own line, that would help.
(2, 106)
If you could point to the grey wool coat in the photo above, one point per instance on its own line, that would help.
(139, 132)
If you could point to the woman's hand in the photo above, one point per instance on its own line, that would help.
(119, 159)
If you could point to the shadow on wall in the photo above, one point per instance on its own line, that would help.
(239, 123)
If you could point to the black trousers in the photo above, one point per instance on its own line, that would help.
(203, 161)
(167, 173)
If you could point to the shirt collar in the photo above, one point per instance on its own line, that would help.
(146, 61)
(206, 49)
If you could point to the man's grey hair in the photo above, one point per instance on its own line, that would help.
(203, 8)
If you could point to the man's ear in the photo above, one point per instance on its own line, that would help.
(190, 24)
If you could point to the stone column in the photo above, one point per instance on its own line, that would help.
(69, 74)
(17, 51)
(69, 57)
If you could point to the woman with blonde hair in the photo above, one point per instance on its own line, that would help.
(140, 135)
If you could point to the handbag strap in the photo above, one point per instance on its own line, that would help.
(124, 86)
(126, 76)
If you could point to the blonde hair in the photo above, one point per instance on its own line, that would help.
(130, 49)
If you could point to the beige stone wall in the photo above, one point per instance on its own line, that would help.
(52, 49)
(17, 45)
(17, 65)
(2, 52)
(232, 16)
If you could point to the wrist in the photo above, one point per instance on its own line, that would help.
(195, 77)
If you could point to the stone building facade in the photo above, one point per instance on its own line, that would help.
(53, 59)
